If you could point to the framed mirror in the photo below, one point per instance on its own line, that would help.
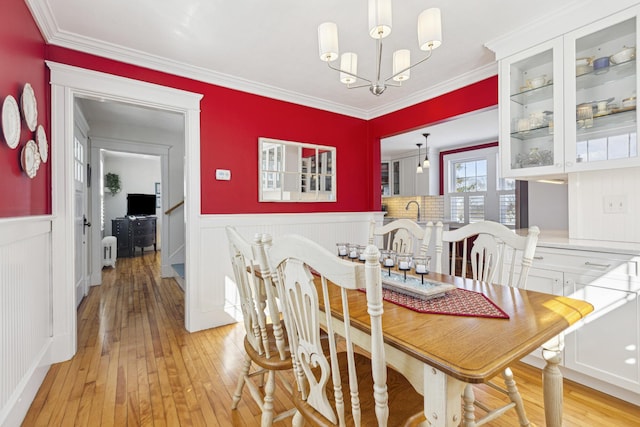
(296, 171)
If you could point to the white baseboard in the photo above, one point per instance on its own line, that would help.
(17, 407)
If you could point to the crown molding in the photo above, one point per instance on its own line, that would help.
(573, 15)
(158, 63)
(55, 36)
(44, 18)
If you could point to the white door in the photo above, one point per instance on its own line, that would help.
(81, 222)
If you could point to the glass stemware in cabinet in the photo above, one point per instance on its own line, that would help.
(404, 264)
(606, 123)
(531, 107)
(388, 260)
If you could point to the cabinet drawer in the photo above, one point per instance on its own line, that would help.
(143, 241)
(587, 262)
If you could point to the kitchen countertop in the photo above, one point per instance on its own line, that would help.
(560, 239)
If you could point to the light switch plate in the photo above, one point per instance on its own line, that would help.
(223, 175)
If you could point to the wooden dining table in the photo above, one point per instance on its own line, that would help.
(439, 354)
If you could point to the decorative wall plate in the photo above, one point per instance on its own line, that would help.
(29, 107)
(30, 159)
(11, 121)
(43, 145)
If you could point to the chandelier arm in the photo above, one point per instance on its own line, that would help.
(379, 62)
(359, 86)
(410, 66)
(351, 74)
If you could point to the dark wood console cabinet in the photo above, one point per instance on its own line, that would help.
(134, 232)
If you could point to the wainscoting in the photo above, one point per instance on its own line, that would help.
(25, 313)
(214, 272)
(35, 326)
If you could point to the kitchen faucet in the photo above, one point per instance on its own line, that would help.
(406, 208)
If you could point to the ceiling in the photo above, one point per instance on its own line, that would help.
(270, 47)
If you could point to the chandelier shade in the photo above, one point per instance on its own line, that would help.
(401, 65)
(348, 63)
(379, 18)
(419, 168)
(429, 38)
(328, 41)
(429, 29)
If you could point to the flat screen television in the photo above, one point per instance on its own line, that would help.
(141, 204)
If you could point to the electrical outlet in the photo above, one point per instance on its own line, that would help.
(223, 175)
(615, 204)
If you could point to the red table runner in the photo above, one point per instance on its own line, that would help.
(458, 302)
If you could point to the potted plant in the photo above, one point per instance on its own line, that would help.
(112, 182)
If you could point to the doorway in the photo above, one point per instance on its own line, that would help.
(67, 84)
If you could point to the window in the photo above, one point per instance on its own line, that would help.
(507, 201)
(474, 191)
(470, 176)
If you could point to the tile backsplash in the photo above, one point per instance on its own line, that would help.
(431, 207)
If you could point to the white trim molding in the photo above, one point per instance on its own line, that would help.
(68, 82)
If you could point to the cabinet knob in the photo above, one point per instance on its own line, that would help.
(569, 164)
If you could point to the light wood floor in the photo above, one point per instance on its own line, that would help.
(137, 365)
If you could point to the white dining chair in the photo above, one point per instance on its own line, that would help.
(338, 384)
(266, 341)
(404, 236)
(497, 255)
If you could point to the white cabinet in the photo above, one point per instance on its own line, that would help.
(404, 179)
(568, 104)
(606, 345)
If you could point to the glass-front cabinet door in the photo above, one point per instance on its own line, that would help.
(601, 115)
(531, 140)
(569, 104)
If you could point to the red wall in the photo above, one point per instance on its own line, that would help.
(22, 51)
(231, 123)
(476, 96)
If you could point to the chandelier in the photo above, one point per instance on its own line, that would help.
(429, 38)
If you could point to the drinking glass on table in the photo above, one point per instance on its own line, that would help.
(404, 263)
(421, 265)
(361, 254)
(352, 249)
(342, 249)
(388, 260)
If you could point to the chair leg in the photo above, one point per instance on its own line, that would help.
(297, 421)
(468, 408)
(267, 405)
(515, 397)
(237, 395)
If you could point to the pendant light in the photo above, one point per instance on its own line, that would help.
(419, 168)
(426, 162)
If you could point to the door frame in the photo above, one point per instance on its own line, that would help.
(67, 82)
